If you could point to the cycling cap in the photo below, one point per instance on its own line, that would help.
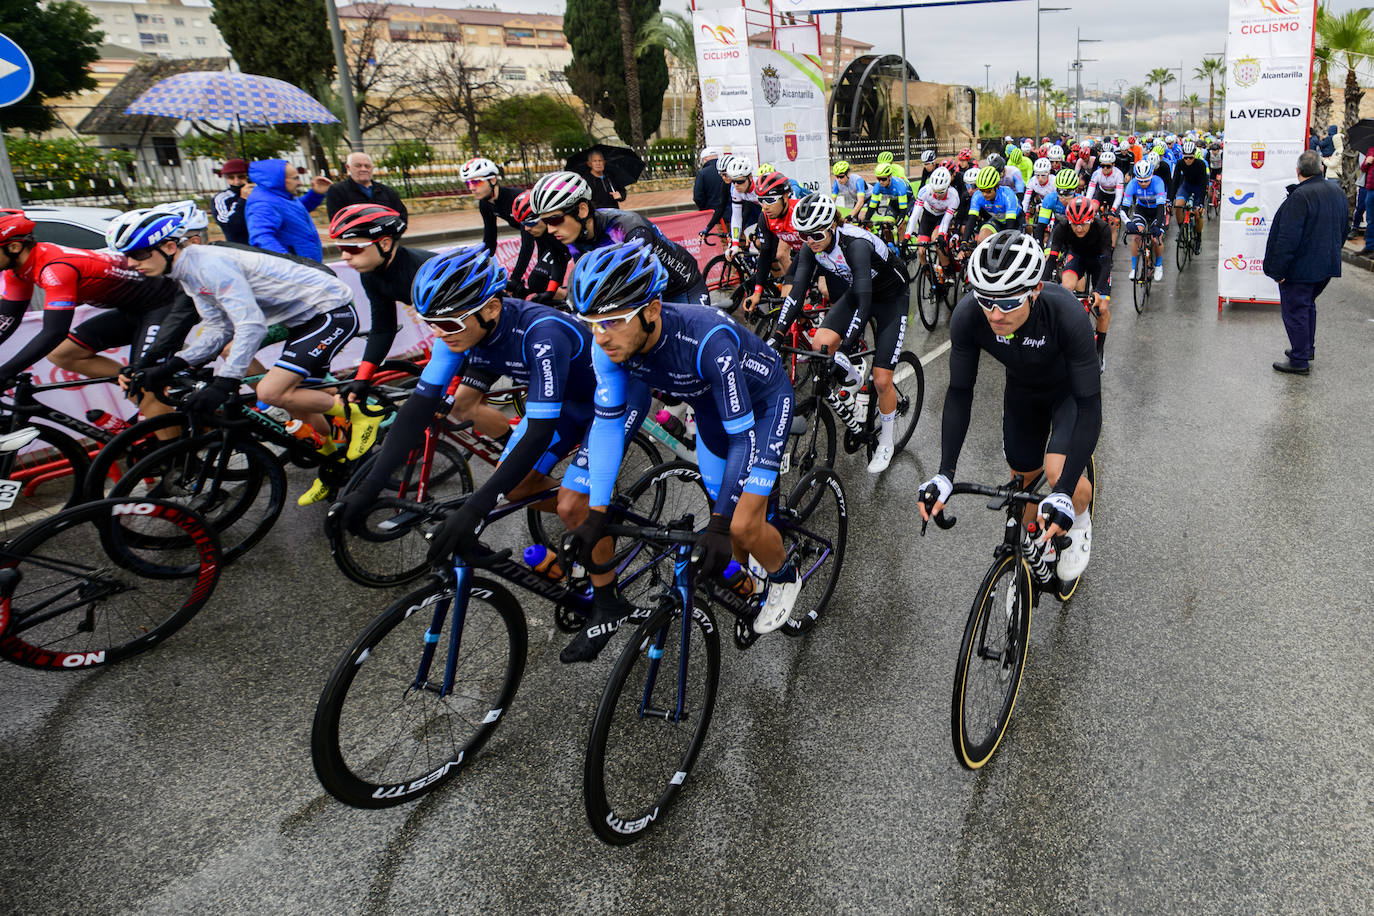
(928, 156)
(615, 278)
(142, 229)
(1042, 167)
(478, 167)
(1009, 263)
(1080, 211)
(558, 191)
(988, 178)
(939, 179)
(707, 152)
(1143, 170)
(840, 169)
(366, 221)
(884, 170)
(457, 283)
(520, 209)
(1107, 158)
(14, 225)
(1066, 180)
(737, 167)
(813, 213)
(884, 156)
(772, 183)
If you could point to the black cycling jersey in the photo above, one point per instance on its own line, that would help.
(498, 204)
(610, 227)
(384, 287)
(1095, 246)
(1192, 173)
(1051, 357)
(549, 266)
(858, 259)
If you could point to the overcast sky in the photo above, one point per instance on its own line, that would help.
(939, 46)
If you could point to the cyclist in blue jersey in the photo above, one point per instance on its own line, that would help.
(562, 200)
(889, 197)
(485, 336)
(849, 188)
(1053, 204)
(1148, 199)
(737, 387)
(995, 207)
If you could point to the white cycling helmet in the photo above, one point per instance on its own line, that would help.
(142, 229)
(737, 167)
(1027, 146)
(1007, 264)
(814, 212)
(928, 156)
(1107, 158)
(1042, 167)
(971, 176)
(193, 218)
(1143, 170)
(478, 167)
(1153, 159)
(1189, 147)
(939, 179)
(1055, 154)
(558, 191)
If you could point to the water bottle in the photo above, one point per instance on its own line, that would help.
(670, 423)
(738, 579)
(861, 403)
(305, 432)
(543, 561)
(1038, 556)
(839, 402)
(106, 420)
(278, 414)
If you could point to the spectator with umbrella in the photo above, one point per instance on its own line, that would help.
(609, 170)
(277, 219)
(228, 204)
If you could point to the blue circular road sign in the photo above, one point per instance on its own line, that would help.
(16, 72)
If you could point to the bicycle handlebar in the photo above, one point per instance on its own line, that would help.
(1008, 493)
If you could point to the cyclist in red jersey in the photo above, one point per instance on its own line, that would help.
(70, 277)
(775, 224)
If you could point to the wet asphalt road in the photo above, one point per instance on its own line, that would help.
(1192, 733)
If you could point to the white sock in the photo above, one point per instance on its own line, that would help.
(852, 376)
(885, 431)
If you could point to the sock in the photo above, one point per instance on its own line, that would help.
(885, 432)
(852, 376)
(328, 448)
(1134, 262)
(1159, 261)
(786, 573)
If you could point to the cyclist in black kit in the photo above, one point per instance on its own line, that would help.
(369, 239)
(546, 277)
(1053, 390)
(563, 202)
(865, 281)
(483, 179)
(1085, 242)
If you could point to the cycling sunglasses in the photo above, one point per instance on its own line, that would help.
(353, 247)
(742, 182)
(770, 199)
(455, 325)
(555, 219)
(817, 235)
(140, 254)
(607, 325)
(1001, 305)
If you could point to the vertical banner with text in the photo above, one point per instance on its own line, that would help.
(727, 103)
(1269, 62)
(790, 118)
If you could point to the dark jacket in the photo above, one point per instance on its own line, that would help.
(707, 188)
(601, 191)
(1328, 143)
(276, 220)
(1307, 232)
(228, 212)
(348, 192)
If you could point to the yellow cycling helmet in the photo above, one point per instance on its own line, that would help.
(884, 157)
(988, 178)
(1066, 180)
(884, 170)
(840, 169)
(764, 168)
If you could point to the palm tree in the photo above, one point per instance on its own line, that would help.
(1161, 77)
(1209, 70)
(1348, 38)
(1101, 112)
(1135, 97)
(835, 57)
(627, 53)
(1024, 82)
(1194, 102)
(1058, 101)
(672, 31)
(1321, 90)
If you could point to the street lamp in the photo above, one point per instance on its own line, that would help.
(1078, 61)
(1039, 10)
(987, 77)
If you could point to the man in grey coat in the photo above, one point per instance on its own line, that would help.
(1303, 254)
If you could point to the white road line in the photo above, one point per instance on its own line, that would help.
(935, 354)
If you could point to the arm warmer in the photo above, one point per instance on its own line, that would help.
(804, 267)
(958, 411)
(860, 257)
(488, 211)
(384, 323)
(11, 314)
(181, 317)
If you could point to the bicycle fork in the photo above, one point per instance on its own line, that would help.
(682, 586)
(459, 602)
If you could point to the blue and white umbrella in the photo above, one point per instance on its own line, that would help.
(221, 95)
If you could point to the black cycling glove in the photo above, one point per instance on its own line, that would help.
(456, 534)
(584, 537)
(715, 546)
(212, 396)
(351, 511)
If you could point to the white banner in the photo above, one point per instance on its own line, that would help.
(1269, 53)
(790, 117)
(727, 104)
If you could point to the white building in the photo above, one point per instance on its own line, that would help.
(166, 28)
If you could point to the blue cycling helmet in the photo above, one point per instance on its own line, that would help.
(143, 229)
(455, 284)
(615, 278)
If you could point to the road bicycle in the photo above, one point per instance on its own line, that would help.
(427, 682)
(725, 274)
(935, 283)
(654, 712)
(99, 582)
(992, 652)
(1189, 240)
(1214, 198)
(1144, 274)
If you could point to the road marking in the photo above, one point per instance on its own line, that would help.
(939, 351)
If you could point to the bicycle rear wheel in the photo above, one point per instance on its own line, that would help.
(992, 658)
(814, 524)
(385, 733)
(129, 447)
(1183, 246)
(44, 478)
(910, 379)
(927, 302)
(724, 282)
(103, 581)
(651, 722)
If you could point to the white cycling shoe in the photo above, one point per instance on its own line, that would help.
(1132, 274)
(778, 604)
(882, 457)
(1159, 272)
(1073, 559)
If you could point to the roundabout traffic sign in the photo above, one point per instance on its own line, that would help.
(16, 72)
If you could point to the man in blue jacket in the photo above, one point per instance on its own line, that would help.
(1303, 253)
(277, 219)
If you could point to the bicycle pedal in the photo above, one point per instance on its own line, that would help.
(744, 634)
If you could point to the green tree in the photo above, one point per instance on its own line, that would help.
(1024, 82)
(284, 39)
(529, 124)
(1349, 38)
(62, 41)
(673, 32)
(590, 26)
(1209, 70)
(1161, 77)
(1135, 97)
(1194, 102)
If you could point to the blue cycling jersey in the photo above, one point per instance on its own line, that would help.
(707, 359)
(1051, 203)
(896, 195)
(536, 346)
(1003, 206)
(1152, 195)
(1013, 178)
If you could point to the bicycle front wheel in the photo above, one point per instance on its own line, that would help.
(1183, 246)
(46, 477)
(910, 380)
(651, 722)
(724, 282)
(992, 658)
(814, 524)
(927, 302)
(414, 698)
(102, 581)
